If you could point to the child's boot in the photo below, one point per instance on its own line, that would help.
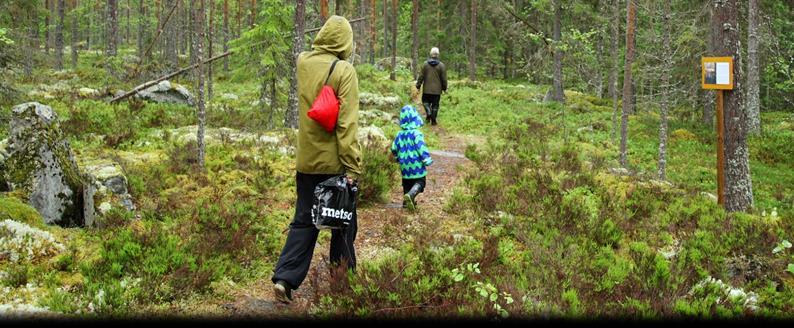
(410, 196)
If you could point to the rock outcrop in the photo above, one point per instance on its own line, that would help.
(111, 185)
(41, 165)
(375, 100)
(166, 92)
(372, 136)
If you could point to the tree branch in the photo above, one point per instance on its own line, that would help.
(523, 20)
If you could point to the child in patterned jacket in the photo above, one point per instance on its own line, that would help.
(411, 152)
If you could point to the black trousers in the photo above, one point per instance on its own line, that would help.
(296, 256)
(431, 105)
(408, 183)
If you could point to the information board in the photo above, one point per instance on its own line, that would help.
(717, 73)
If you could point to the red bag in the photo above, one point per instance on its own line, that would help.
(325, 108)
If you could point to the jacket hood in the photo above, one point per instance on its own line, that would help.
(335, 37)
(433, 61)
(409, 118)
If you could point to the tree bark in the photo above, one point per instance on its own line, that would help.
(252, 19)
(473, 42)
(613, 73)
(738, 184)
(127, 34)
(199, 72)
(209, 49)
(559, 94)
(291, 117)
(627, 89)
(59, 37)
(753, 78)
(47, 6)
(141, 27)
(75, 36)
(372, 24)
(664, 101)
(386, 25)
(415, 37)
(323, 11)
(395, 15)
(170, 28)
(33, 35)
(226, 34)
(113, 31)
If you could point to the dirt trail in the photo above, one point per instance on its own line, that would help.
(258, 300)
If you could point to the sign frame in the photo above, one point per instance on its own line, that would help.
(715, 60)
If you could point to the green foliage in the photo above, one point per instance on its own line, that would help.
(379, 175)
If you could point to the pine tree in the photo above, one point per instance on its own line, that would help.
(738, 184)
(628, 91)
(291, 119)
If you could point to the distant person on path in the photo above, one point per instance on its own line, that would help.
(434, 77)
(411, 152)
(321, 155)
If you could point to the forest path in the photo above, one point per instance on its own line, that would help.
(372, 238)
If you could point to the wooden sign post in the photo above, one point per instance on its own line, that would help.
(717, 74)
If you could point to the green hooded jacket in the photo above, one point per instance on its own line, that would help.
(320, 152)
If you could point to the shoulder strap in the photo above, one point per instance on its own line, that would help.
(331, 71)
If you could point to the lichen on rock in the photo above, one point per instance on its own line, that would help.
(41, 164)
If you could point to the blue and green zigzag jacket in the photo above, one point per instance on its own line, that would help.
(409, 145)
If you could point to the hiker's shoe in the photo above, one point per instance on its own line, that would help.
(409, 202)
(410, 196)
(283, 292)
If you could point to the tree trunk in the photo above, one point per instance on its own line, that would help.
(559, 94)
(415, 37)
(226, 34)
(127, 34)
(395, 16)
(47, 6)
(209, 50)
(141, 27)
(59, 36)
(239, 18)
(613, 74)
(199, 72)
(113, 31)
(753, 79)
(386, 24)
(159, 25)
(665, 98)
(738, 184)
(372, 24)
(291, 117)
(473, 42)
(75, 36)
(33, 34)
(323, 11)
(252, 19)
(171, 38)
(627, 89)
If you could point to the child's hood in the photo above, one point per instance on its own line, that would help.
(409, 118)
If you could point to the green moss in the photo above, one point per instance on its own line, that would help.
(14, 209)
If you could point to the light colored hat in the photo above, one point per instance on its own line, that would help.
(434, 52)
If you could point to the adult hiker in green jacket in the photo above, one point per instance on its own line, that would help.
(320, 154)
(434, 78)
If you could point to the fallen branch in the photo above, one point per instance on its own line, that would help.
(523, 20)
(159, 31)
(166, 77)
(182, 70)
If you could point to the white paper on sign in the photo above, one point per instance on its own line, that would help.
(723, 73)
